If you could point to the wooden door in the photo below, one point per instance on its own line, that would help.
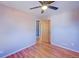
(44, 31)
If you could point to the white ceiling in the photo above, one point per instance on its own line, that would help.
(25, 5)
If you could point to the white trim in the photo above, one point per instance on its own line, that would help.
(65, 47)
(18, 50)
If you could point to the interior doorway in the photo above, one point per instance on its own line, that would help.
(43, 31)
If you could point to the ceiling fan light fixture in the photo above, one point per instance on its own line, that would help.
(44, 7)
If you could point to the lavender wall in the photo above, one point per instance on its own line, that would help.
(17, 30)
(64, 30)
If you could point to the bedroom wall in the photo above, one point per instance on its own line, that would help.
(17, 30)
(65, 30)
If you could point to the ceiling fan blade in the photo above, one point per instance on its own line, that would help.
(46, 2)
(49, 2)
(52, 7)
(42, 11)
(41, 2)
(35, 7)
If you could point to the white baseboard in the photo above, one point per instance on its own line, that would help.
(18, 50)
(65, 47)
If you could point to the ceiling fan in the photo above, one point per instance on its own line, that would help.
(45, 5)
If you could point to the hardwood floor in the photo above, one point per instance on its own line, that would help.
(44, 50)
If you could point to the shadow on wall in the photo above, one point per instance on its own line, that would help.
(17, 30)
